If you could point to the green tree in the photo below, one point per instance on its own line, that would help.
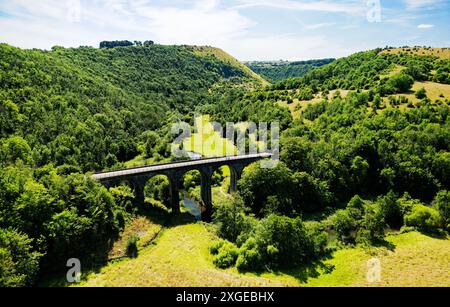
(19, 264)
(257, 184)
(421, 93)
(442, 203)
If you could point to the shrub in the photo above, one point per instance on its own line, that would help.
(215, 247)
(226, 256)
(355, 207)
(257, 184)
(277, 205)
(131, 247)
(421, 93)
(372, 225)
(250, 258)
(401, 83)
(344, 225)
(442, 203)
(305, 94)
(423, 218)
(289, 236)
(313, 111)
(407, 203)
(231, 219)
(311, 193)
(318, 235)
(19, 265)
(390, 209)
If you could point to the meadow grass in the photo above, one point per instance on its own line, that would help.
(144, 227)
(434, 91)
(180, 257)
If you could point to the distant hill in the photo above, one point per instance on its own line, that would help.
(226, 58)
(275, 71)
(393, 73)
(442, 53)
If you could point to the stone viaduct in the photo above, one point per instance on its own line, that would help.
(175, 171)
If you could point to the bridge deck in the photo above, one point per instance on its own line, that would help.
(176, 165)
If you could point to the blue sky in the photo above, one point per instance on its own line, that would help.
(247, 29)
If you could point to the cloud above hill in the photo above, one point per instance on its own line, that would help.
(249, 29)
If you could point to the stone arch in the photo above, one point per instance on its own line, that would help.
(161, 198)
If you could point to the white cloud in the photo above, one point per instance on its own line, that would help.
(208, 25)
(425, 26)
(353, 7)
(319, 25)
(414, 4)
(42, 24)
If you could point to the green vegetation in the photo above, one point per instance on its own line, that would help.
(132, 248)
(277, 71)
(181, 257)
(368, 156)
(68, 111)
(338, 149)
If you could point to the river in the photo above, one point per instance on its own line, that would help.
(193, 208)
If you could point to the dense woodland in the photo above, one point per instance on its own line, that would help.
(277, 71)
(66, 112)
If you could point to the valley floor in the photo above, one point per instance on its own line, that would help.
(180, 257)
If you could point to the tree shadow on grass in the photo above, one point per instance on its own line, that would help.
(384, 244)
(440, 235)
(179, 219)
(311, 269)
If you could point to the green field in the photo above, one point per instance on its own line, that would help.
(180, 257)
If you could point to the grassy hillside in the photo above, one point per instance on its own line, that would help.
(373, 72)
(442, 53)
(180, 257)
(226, 58)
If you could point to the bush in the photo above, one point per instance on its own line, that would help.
(215, 247)
(311, 194)
(289, 236)
(226, 255)
(442, 204)
(390, 209)
(305, 94)
(158, 188)
(424, 218)
(131, 247)
(257, 184)
(280, 242)
(400, 83)
(355, 207)
(421, 93)
(407, 203)
(19, 264)
(250, 258)
(372, 225)
(231, 219)
(344, 225)
(318, 235)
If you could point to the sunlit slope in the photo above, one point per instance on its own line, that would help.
(225, 57)
(180, 257)
(443, 53)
